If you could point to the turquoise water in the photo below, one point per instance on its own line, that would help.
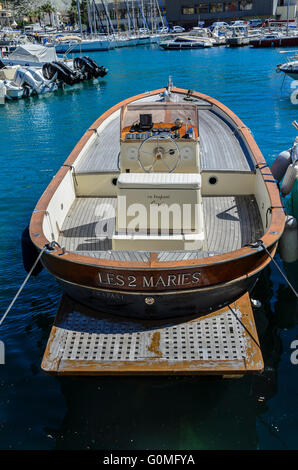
(44, 412)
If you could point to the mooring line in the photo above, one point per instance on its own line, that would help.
(23, 285)
(260, 243)
(244, 327)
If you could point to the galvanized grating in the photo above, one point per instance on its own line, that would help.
(214, 338)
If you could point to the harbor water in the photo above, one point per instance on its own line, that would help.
(39, 411)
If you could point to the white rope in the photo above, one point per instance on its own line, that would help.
(22, 286)
(260, 243)
(283, 275)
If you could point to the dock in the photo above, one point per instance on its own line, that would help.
(223, 343)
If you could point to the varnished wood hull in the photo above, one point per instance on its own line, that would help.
(158, 293)
(165, 305)
(153, 288)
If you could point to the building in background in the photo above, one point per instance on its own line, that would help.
(189, 12)
(282, 9)
(5, 15)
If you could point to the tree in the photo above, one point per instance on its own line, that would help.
(73, 13)
(48, 9)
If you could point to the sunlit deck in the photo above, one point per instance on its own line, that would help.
(231, 222)
(221, 146)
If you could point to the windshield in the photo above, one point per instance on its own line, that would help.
(161, 113)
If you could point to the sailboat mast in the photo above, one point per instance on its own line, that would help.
(160, 15)
(129, 20)
(133, 14)
(79, 16)
(89, 17)
(288, 6)
(117, 15)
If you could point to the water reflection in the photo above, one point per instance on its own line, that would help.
(179, 412)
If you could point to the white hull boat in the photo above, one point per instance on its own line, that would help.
(84, 46)
(183, 42)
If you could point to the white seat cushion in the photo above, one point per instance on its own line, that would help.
(160, 180)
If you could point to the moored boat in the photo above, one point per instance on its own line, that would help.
(275, 40)
(290, 67)
(32, 55)
(165, 208)
(186, 42)
(66, 44)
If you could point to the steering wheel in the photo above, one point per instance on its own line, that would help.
(159, 149)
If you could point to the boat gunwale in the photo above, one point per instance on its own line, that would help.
(161, 292)
(270, 237)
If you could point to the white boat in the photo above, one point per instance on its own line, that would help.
(31, 55)
(290, 67)
(20, 82)
(65, 44)
(205, 34)
(185, 42)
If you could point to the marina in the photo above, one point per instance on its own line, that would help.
(221, 134)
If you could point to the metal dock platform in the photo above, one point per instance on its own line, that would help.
(223, 343)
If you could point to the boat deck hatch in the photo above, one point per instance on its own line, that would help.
(222, 343)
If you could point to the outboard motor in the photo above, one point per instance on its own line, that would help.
(89, 67)
(23, 77)
(84, 67)
(100, 71)
(71, 73)
(49, 70)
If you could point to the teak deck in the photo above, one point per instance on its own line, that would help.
(221, 150)
(222, 343)
(231, 222)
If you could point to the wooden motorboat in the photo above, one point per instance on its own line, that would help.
(165, 208)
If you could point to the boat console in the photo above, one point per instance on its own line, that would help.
(160, 138)
(159, 189)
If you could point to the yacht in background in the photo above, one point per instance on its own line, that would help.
(186, 42)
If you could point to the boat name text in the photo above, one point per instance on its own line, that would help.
(147, 281)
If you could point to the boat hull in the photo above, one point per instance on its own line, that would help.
(279, 42)
(161, 306)
(292, 74)
(237, 42)
(84, 47)
(158, 293)
(179, 46)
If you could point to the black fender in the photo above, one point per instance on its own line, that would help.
(30, 253)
